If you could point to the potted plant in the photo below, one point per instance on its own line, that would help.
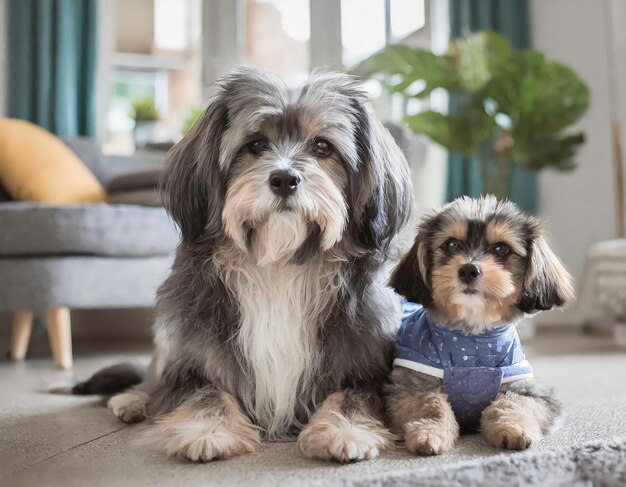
(513, 106)
(191, 119)
(145, 114)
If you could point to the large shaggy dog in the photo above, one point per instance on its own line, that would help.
(276, 320)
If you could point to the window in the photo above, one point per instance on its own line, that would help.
(171, 51)
(290, 37)
(156, 56)
(405, 18)
(363, 29)
(278, 37)
(369, 25)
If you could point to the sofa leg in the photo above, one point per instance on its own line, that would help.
(22, 326)
(60, 336)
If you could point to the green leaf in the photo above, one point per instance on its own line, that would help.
(545, 150)
(144, 110)
(406, 66)
(191, 119)
(463, 132)
(482, 57)
(551, 96)
(531, 98)
(434, 125)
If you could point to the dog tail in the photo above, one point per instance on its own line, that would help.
(105, 382)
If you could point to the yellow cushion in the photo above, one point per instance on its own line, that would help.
(37, 166)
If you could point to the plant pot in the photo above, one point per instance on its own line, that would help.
(144, 133)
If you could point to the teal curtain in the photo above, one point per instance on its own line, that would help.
(510, 18)
(52, 60)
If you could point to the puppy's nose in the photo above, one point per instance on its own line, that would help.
(284, 183)
(468, 273)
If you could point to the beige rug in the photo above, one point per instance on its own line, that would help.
(65, 441)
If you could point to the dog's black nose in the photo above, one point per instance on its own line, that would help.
(468, 273)
(284, 183)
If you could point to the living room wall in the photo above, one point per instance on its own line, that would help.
(578, 206)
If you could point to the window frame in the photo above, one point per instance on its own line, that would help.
(224, 26)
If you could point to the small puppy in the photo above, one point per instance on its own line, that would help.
(476, 267)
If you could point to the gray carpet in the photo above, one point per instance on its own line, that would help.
(55, 440)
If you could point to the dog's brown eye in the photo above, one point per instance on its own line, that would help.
(322, 148)
(501, 249)
(451, 245)
(258, 146)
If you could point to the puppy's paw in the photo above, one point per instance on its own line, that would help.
(512, 436)
(336, 437)
(428, 437)
(129, 406)
(515, 422)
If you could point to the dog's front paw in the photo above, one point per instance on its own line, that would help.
(203, 439)
(514, 421)
(343, 439)
(129, 406)
(428, 437)
(512, 436)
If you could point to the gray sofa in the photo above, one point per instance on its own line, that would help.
(57, 258)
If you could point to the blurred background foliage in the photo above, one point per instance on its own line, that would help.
(514, 106)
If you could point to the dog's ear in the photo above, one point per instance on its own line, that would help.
(547, 283)
(410, 275)
(191, 184)
(382, 193)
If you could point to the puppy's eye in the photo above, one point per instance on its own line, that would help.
(501, 249)
(257, 147)
(451, 245)
(322, 148)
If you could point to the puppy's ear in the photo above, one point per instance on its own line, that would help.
(547, 283)
(383, 192)
(409, 277)
(191, 184)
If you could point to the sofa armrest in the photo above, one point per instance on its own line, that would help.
(138, 188)
(113, 167)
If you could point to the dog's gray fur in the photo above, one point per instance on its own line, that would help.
(328, 278)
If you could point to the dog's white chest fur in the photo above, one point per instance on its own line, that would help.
(277, 337)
